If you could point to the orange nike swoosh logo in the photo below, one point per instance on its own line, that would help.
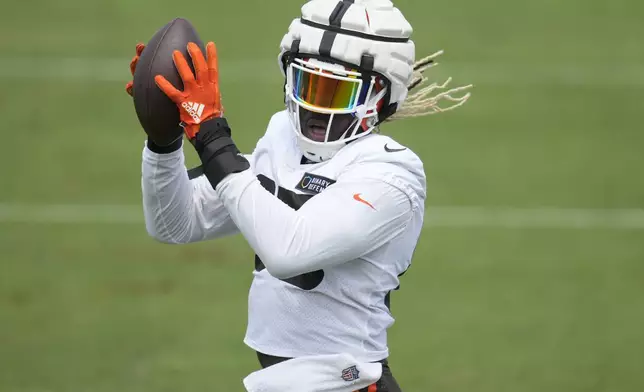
(357, 197)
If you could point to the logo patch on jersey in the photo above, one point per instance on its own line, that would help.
(313, 183)
(351, 374)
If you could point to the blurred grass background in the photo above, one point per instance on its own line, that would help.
(555, 121)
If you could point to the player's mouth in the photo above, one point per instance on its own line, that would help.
(314, 125)
(315, 129)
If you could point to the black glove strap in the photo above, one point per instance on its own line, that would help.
(219, 155)
(214, 148)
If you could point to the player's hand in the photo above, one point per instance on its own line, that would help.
(130, 85)
(201, 99)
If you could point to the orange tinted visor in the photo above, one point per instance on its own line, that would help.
(325, 90)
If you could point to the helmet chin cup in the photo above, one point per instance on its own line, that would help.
(315, 152)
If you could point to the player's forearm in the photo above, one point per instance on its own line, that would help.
(324, 233)
(279, 236)
(178, 210)
(167, 196)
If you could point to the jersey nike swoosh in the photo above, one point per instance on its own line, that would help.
(394, 149)
(357, 197)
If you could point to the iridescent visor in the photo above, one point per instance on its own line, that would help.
(325, 90)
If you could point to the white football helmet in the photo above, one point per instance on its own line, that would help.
(351, 61)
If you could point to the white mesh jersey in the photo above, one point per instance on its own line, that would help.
(332, 238)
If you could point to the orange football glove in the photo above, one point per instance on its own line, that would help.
(201, 99)
(129, 86)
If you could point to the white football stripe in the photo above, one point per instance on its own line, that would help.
(436, 217)
(200, 110)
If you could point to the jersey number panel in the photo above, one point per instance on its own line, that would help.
(307, 281)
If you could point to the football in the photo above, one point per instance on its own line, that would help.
(158, 115)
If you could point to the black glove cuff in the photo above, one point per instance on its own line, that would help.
(172, 147)
(210, 131)
(219, 155)
(228, 162)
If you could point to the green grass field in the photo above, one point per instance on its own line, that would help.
(89, 303)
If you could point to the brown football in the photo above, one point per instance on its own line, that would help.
(158, 115)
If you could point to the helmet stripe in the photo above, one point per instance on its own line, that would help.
(327, 43)
(338, 13)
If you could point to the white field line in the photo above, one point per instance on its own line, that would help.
(264, 70)
(436, 217)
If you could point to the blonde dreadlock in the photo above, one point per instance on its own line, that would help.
(420, 101)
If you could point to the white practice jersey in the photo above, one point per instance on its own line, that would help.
(331, 238)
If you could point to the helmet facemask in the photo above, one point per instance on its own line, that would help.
(331, 105)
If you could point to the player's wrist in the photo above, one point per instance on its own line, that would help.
(168, 149)
(212, 135)
(218, 153)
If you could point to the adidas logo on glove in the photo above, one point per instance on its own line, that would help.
(194, 109)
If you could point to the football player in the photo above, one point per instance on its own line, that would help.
(332, 209)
